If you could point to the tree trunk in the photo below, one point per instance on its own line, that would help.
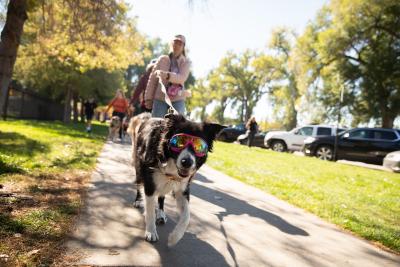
(203, 114)
(82, 113)
(67, 105)
(292, 120)
(387, 120)
(242, 119)
(75, 107)
(10, 39)
(248, 112)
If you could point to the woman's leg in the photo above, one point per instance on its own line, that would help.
(160, 108)
(179, 106)
(250, 141)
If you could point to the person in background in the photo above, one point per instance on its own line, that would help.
(136, 103)
(120, 107)
(252, 128)
(173, 70)
(89, 107)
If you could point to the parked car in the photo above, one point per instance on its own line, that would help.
(257, 141)
(369, 145)
(230, 134)
(293, 141)
(392, 161)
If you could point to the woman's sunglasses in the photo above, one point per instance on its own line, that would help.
(178, 142)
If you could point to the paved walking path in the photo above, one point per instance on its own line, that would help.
(232, 224)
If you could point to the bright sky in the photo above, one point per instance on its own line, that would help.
(213, 27)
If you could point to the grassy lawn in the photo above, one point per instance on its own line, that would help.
(46, 166)
(364, 201)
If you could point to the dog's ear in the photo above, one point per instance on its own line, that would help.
(211, 130)
(172, 119)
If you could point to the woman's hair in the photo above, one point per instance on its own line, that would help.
(250, 121)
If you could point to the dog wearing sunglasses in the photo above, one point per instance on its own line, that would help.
(169, 152)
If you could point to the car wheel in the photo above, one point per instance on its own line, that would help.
(223, 138)
(324, 153)
(278, 146)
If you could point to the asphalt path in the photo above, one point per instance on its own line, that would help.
(231, 224)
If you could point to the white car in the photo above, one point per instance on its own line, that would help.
(293, 141)
(392, 161)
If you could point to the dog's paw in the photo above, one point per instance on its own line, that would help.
(138, 204)
(173, 238)
(161, 218)
(151, 236)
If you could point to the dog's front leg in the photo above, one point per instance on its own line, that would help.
(151, 231)
(182, 202)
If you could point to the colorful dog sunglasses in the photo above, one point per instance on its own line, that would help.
(178, 142)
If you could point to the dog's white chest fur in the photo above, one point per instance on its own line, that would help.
(164, 184)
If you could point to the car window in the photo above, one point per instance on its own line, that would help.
(361, 134)
(324, 131)
(339, 130)
(239, 127)
(384, 135)
(306, 131)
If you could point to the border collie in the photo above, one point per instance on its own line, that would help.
(168, 154)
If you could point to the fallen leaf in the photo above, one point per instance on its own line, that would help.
(113, 252)
(32, 252)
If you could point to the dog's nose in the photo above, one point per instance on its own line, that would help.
(186, 162)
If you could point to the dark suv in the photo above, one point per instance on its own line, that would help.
(230, 134)
(361, 144)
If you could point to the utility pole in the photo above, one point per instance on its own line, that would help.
(338, 122)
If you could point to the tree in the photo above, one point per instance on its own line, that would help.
(67, 42)
(151, 49)
(197, 103)
(241, 86)
(10, 40)
(355, 44)
(278, 72)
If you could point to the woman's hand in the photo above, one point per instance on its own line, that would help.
(162, 74)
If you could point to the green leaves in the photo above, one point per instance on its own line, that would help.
(74, 43)
(354, 44)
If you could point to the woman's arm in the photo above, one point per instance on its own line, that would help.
(152, 84)
(181, 77)
(110, 104)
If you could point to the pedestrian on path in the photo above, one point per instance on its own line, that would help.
(89, 106)
(252, 128)
(120, 107)
(136, 103)
(173, 70)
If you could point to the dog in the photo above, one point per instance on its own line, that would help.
(168, 153)
(113, 130)
(133, 129)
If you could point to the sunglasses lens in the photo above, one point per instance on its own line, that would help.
(180, 141)
(200, 146)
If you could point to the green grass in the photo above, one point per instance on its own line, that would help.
(33, 146)
(49, 162)
(364, 201)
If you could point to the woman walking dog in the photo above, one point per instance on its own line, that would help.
(120, 107)
(173, 70)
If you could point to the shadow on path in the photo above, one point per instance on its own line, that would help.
(234, 206)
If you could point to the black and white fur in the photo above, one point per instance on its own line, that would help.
(162, 171)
